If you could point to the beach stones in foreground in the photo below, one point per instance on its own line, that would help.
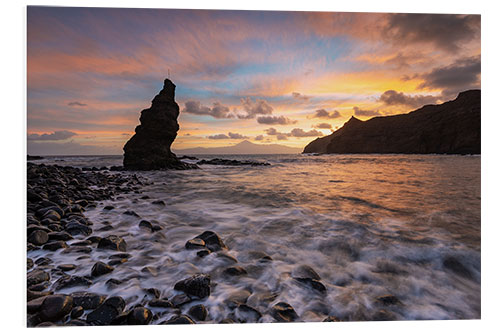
(283, 312)
(55, 307)
(113, 242)
(207, 239)
(197, 285)
(176, 320)
(106, 312)
(101, 268)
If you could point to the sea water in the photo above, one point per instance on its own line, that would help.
(369, 225)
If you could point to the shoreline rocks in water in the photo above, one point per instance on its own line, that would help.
(149, 148)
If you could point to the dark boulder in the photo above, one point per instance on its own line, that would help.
(100, 268)
(283, 312)
(38, 237)
(76, 228)
(37, 276)
(212, 241)
(195, 244)
(68, 281)
(139, 316)
(105, 313)
(457, 267)
(312, 283)
(146, 225)
(331, 319)
(305, 271)
(160, 303)
(77, 312)
(113, 242)
(388, 300)
(198, 312)
(197, 285)
(235, 271)
(55, 245)
(177, 320)
(66, 267)
(149, 148)
(55, 307)
(86, 300)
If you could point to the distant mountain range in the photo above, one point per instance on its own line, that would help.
(244, 147)
(453, 127)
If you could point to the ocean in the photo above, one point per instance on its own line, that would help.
(371, 226)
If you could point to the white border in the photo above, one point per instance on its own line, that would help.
(13, 20)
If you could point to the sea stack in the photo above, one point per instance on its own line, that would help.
(149, 148)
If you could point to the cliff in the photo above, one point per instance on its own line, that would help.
(453, 127)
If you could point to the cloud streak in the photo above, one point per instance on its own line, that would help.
(55, 136)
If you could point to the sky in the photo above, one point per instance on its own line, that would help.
(262, 76)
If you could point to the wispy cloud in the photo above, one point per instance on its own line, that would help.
(55, 136)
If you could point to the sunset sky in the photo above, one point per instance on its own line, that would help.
(268, 77)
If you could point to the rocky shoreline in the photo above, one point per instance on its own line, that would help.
(57, 197)
(58, 296)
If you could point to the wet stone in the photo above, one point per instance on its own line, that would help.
(94, 239)
(82, 243)
(389, 300)
(331, 319)
(235, 271)
(40, 287)
(71, 281)
(38, 237)
(153, 291)
(55, 307)
(76, 322)
(116, 262)
(305, 271)
(195, 244)
(77, 312)
(101, 268)
(37, 276)
(35, 304)
(112, 283)
(77, 249)
(139, 316)
(212, 241)
(113, 242)
(76, 228)
(29, 263)
(55, 245)
(60, 236)
(43, 261)
(158, 202)
(181, 299)
(66, 267)
(160, 303)
(108, 207)
(283, 312)
(457, 267)
(198, 312)
(131, 213)
(203, 253)
(312, 283)
(146, 225)
(31, 295)
(86, 300)
(106, 312)
(176, 320)
(197, 285)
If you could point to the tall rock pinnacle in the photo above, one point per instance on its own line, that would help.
(149, 148)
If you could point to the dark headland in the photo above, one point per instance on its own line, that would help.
(453, 127)
(149, 148)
